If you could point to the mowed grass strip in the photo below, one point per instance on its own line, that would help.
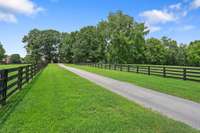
(177, 87)
(61, 102)
(11, 66)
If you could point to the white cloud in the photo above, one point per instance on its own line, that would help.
(9, 9)
(157, 16)
(7, 17)
(176, 6)
(20, 6)
(188, 27)
(195, 4)
(184, 13)
(154, 28)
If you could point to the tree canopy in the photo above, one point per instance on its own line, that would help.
(15, 59)
(2, 52)
(43, 45)
(118, 39)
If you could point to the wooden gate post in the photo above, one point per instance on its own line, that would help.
(20, 78)
(4, 79)
(31, 71)
(128, 68)
(137, 69)
(184, 74)
(164, 71)
(121, 67)
(27, 74)
(149, 70)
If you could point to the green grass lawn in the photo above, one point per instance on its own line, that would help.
(11, 66)
(58, 101)
(185, 89)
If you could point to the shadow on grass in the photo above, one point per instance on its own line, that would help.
(12, 102)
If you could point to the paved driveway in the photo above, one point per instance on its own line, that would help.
(176, 108)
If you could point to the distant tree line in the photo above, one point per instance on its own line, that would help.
(119, 39)
(6, 59)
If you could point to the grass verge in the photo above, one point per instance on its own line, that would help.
(60, 101)
(11, 66)
(185, 89)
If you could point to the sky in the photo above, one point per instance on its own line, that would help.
(177, 19)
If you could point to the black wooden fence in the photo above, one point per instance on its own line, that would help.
(185, 73)
(13, 79)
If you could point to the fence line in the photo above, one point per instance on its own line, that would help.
(13, 79)
(185, 73)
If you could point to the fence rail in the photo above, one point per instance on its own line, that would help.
(13, 79)
(185, 73)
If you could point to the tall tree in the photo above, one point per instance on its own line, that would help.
(49, 41)
(15, 59)
(42, 45)
(118, 39)
(2, 52)
(193, 52)
(28, 59)
(103, 40)
(171, 51)
(126, 41)
(65, 47)
(86, 47)
(33, 45)
(155, 51)
(182, 55)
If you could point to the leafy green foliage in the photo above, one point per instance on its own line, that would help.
(86, 46)
(15, 59)
(118, 39)
(194, 53)
(28, 59)
(155, 52)
(2, 52)
(126, 39)
(43, 45)
(65, 47)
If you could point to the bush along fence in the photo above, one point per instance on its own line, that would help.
(13, 79)
(185, 73)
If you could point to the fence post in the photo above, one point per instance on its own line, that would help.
(109, 66)
(37, 68)
(137, 69)
(114, 66)
(4, 78)
(31, 71)
(20, 78)
(184, 74)
(121, 67)
(27, 74)
(128, 68)
(34, 70)
(149, 70)
(164, 71)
